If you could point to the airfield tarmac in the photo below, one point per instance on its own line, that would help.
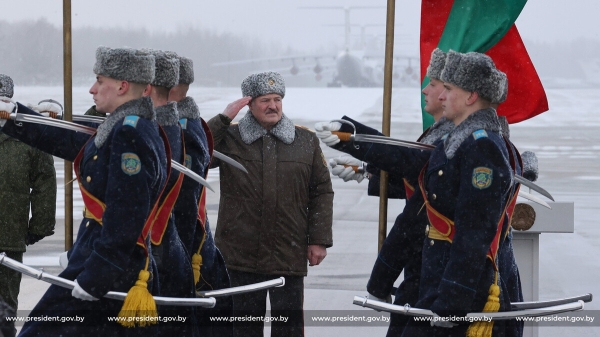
(567, 143)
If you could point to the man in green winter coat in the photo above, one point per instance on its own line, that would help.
(27, 179)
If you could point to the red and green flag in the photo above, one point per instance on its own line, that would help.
(485, 26)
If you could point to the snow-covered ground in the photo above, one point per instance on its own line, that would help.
(566, 140)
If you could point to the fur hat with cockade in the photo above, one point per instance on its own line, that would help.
(6, 86)
(126, 64)
(475, 72)
(263, 84)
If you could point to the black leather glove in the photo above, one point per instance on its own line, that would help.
(33, 238)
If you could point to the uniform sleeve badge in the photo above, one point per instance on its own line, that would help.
(130, 163)
(188, 161)
(482, 177)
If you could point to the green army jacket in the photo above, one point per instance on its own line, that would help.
(27, 178)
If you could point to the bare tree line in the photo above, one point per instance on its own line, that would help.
(32, 51)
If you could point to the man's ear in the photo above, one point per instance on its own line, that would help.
(147, 91)
(472, 98)
(123, 88)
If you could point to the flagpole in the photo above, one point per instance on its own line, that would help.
(67, 115)
(387, 115)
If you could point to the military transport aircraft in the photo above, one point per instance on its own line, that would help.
(359, 64)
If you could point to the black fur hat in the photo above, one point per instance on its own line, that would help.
(475, 72)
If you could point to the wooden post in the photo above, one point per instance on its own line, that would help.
(68, 101)
(387, 114)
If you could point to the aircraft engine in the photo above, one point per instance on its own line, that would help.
(294, 70)
(318, 69)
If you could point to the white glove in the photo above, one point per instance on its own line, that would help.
(50, 107)
(437, 321)
(81, 294)
(347, 168)
(7, 106)
(63, 260)
(323, 131)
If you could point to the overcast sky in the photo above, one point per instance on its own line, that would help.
(283, 21)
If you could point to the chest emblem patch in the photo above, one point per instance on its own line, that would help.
(482, 177)
(130, 163)
(188, 161)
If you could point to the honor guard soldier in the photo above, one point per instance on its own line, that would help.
(401, 250)
(467, 185)
(210, 272)
(173, 263)
(121, 171)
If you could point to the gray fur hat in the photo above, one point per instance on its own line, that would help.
(126, 64)
(530, 165)
(166, 68)
(436, 64)
(6, 86)
(186, 70)
(262, 84)
(475, 72)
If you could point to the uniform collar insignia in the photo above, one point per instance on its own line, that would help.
(167, 114)
(483, 119)
(251, 130)
(139, 107)
(188, 108)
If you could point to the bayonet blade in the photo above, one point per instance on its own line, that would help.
(280, 282)
(391, 141)
(54, 122)
(216, 154)
(421, 146)
(229, 160)
(534, 199)
(65, 283)
(503, 315)
(533, 186)
(89, 130)
(175, 165)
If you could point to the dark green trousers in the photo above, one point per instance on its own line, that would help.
(10, 281)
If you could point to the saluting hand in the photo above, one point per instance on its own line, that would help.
(234, 107)
(316, 254)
